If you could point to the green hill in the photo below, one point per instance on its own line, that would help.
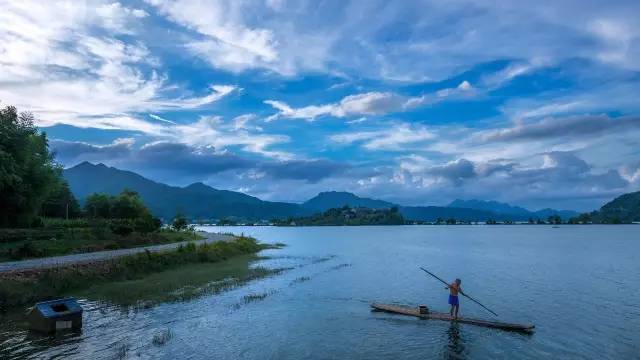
(623, 209)
(348, 216)
(337, 199)
(196, 201)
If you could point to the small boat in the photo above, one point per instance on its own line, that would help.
(415, 311)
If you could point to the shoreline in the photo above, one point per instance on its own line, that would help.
(96, 256)
(426, 224)
(19, 288)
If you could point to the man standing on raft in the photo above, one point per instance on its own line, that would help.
(454, 289)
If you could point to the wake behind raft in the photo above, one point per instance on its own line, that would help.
(422, 312)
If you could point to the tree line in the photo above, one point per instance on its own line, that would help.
(347, 216)
(32, 186)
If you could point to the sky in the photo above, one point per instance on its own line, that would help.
(534, 103)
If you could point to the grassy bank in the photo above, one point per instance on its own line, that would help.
(23, 289)
(78, 237)
(178, 284)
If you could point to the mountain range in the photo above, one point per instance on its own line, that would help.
(515, 212)
(196, 201)
(200, 201)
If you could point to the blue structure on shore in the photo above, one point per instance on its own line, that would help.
(55, 315)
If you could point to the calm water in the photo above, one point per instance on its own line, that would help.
(580, 286)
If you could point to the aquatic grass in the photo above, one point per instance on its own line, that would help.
(300, 279)
(340, 266)
(121, 351)
(16, 290)
(182, 284)
(256, 297)
(323, 259)
(162, 337)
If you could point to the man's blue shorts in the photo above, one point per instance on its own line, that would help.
(453, 300)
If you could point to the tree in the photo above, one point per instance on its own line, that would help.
(27, 170)
(179, 222)
(98, 206)
(584, 218)
(128, 205)
(147, 224)
(554, 219)
(61, 203)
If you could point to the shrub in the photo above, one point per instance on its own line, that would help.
(121, 227)
(179, 222)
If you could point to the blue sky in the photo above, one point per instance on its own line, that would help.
(418, 102)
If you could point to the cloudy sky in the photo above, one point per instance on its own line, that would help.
(535, 103)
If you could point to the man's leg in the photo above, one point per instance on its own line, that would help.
(457, 307)
(451, 311)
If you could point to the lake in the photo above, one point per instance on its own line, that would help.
(580, 286)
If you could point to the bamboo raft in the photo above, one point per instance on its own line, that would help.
(414, 311)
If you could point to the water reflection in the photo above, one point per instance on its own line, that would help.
(454, 348)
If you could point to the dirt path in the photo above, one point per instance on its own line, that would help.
(50, 262)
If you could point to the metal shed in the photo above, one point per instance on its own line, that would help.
(54, 315)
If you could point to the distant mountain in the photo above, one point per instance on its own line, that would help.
(511, 212)
(493, 206)
(196, 201)
(623, 209)
(199, 201)
(433, 213)
(336, 199)
(545, 213)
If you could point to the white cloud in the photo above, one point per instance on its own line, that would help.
(160, 118)
(217, 93)
(116, 17)
(631, 172)
(617, 94)
(462, 89)
(512, 71)
(371, 103)
(619, 42)
(229, 36)
(54, 66)
(228, 43)
(73, 151)
(558, 179)
(208, 131)
(398, 137)
(244, 122)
